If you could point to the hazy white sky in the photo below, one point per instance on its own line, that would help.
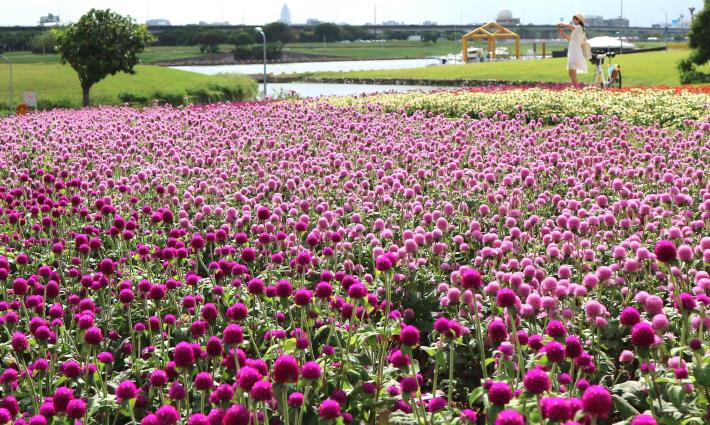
(639, 12)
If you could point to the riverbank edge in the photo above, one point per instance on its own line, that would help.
(393, 81)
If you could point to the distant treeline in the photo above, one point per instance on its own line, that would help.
(247, 42)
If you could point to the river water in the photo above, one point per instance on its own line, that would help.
(329, 89)
(300, 67)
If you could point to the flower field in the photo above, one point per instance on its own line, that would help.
(666, 107)
(311, 263)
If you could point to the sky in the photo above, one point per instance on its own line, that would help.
(179, 12)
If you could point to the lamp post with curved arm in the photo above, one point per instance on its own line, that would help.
(263, 36)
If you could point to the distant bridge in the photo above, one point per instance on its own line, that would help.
(398, 28)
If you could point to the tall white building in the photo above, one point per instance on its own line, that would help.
(285, 15)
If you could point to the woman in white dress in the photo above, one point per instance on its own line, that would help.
(576, 63)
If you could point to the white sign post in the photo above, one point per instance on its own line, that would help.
(29, 98)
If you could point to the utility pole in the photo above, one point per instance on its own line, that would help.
(374, 25)
(621, 18)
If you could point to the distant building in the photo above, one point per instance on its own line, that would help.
(312, 21)
(157, 22)
(212, 24)
(414, 38)
(285, 15)
(600, 21)
(505, 18)
(426, 23)
(49, 19)
(393, 23)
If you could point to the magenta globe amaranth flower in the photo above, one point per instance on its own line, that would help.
(665, 251)
(510, 417)
(285, 370)
(126, 390)
(409, 335)
(506, 298)
(536, 381)
(643, 335)
(76, 408)
(644, 420)
(471, 279)
(311, 371)
(236, 415)
(184, 355)
(500, 393)
(329, 409)
(597, 401)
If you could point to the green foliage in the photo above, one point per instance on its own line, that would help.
(133, 98)
(278, 31)
(100, 44)
(44, 42)
(243, 38)
(330, 32)
(210, 39)
(700, 43)
(256, 51)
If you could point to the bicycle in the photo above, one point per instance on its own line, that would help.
(611, 78)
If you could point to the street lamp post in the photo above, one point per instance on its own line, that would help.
(260, 31)
(621, 17)
(665, 32)
(11, 94)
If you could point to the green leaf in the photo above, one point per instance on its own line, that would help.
(475, 395)
(677, 395)
(623, 407)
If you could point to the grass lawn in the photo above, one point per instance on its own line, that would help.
(58, 84)
(640, 69)
(151, 54)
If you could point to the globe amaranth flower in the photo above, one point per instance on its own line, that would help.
(665, 251)
(506, 298)
(536, 381)
(500, 393)
(262, 391)
(285, 370)
(184, 355)
(126, 390)
(510, 417)
(247, 377)
(329, 409)
(409, 335)
(643, 335)
(236, 415)
(471, 279)
(311, 371)
(629, 316)
(597, 401)
(644, 420)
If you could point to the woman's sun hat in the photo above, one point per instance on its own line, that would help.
(580, 18)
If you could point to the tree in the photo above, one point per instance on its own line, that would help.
(100, 44)
(330, 32)
(242, 38)
(44, 42)
(210, 39)
(700, 43)
(278, 31)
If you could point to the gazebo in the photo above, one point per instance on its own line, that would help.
(491, 31)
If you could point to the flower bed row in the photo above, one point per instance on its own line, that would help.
(667, 108)
(299, 263)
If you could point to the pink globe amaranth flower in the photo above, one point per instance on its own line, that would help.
(573, 347)
(556, 329)
(409, 335)
(644, 420)
(643, 335)
(93, 336)
(627, 356)
(500, 393)
(302, 297)
(167, 415)
(37, 420)
(555, 352)
(629, 316)
(262, 391)
(597, 401)
(436, 404)
(236, 415)
(158, 378)
(329, 409)
(232, 334)
(536, 381)
(506, 298)
(311, 371)
(285, 370)
(497, 330)
(126, 390)
(324, 290)
(19, 342)
(5, 416)
(510, 417)
(222, 393)
(177, 391)
(76, 408)
(471, 279)
(295, 399)
(60, 399)
(469, 416)
(247, 377)
(556, 408)
(184, 355)
(357, 291)
(665, 251)
(198, 419)
(409, 384)
(203, 381)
